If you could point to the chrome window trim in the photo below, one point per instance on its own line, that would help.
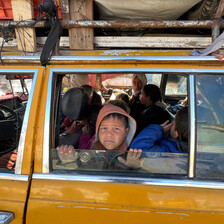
(45, 164)
(36, 59)
(131, 180)
(98, 70)
(18, 168)
(192, 140)
(13, 177)
(46, 143)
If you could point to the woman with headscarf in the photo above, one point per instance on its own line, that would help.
(138, 81)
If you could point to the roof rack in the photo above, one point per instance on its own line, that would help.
(81, 29)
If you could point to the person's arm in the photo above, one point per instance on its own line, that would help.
(8, 160)
(86, 141)
(148, 137)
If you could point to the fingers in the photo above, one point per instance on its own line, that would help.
(120, 159)
(65, 149)
(165, 123)
(135, 153)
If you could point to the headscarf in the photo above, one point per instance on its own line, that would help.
(142, 77)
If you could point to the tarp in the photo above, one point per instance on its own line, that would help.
(143, 9)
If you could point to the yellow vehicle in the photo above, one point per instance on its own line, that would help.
(180, 188)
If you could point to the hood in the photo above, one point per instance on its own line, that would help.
(109, 109)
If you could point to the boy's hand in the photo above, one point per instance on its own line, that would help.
(67, 153)
(133, 159)
(166, 126)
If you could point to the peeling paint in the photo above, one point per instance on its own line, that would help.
(173, 213)
(119, 52)
(108, 209)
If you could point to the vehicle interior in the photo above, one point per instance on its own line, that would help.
(173, 89)
(14, 95)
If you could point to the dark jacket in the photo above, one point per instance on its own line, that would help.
(151, 115)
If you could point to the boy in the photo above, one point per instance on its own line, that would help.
(115, 130)
(151, 139)
(154, 111)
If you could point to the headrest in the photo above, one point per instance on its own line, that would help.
(74, 103)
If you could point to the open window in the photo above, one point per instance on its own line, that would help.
(97, 161)
(15, 89)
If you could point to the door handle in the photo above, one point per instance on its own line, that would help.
(6, 217)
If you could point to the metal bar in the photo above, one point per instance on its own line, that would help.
(207, 24)
(192, 119)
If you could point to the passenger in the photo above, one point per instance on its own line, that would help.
(172, 138)
(79, 80)
(152, 114)
(8, 160)
(93, 99)
(126, 99)
(88, 131)
(119, 103)
(89, 92)
(115, 130)
(138, 81)
(177, 107)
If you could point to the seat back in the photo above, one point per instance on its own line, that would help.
(74, 103)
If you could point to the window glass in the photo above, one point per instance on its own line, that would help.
(154, 79)
(83, 141)
(176, 85)
(210, 126)
(14, 93)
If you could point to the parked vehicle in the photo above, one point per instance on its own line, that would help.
(184, 188)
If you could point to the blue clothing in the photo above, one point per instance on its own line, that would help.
(152, 139)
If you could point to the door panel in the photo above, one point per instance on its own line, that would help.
(65, 201)
(14, 183)
(13, 194)
(76, 197)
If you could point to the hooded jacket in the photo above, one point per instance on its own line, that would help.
(110, 109)
(99, 158)
(151, 139)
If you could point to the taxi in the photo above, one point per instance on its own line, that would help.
(177, 187)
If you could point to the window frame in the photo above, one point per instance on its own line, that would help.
(190, 73)
(18, 168)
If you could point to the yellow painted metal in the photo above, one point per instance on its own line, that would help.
(156, 64)
(13, 197)
(82, 202)
(40, 125)
(31, 127)
(52, 201)
(132, 53)
(13, 192)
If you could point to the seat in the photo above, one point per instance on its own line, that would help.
(73, 105)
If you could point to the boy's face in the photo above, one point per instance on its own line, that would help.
(112, 133)
(145, 100)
